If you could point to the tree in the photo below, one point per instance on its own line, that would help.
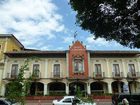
(18, 88)
(110, 19)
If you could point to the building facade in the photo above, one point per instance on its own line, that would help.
(64, 72)
(7, 43)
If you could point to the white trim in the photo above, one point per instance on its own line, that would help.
(46, 68)
(67, 64)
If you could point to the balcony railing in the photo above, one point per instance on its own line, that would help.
(117, 75)
(97, 75)
(78, 76)
(56, 75)
(11, 76)
(133, 75)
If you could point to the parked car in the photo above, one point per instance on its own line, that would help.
(71, 100)
(4, 101)
(133, 99)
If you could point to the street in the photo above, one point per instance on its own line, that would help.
(49, 102)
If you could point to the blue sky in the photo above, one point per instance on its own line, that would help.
(47, 25)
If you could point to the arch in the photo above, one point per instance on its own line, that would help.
(37, 88)
(15, 86)
(98, 87)
(74, 86)
(117, 86)
(134, 86)
(56, 88)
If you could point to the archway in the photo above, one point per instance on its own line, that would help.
(74, 86)
(10, 87)
(134, 86)
(98, 87)
(36, 88)
(117, 86)
(56, 88)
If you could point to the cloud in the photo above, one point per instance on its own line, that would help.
(30, 20)
(101, 43)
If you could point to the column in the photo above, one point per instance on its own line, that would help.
(45, 89)
(89, 69)
(109, 87)
(107, 74)
(138, 65)
(119, 87)
(88, 89)
(67, 88)
(124, 70)
(46, 67)
(2, 90)
(4, 75)
(67, 64)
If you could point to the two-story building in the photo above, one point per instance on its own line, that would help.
(63, 72)
(8, 42)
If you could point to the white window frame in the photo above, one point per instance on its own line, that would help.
(82, 67)
(53, 68)
(114, 70)
(134, 67)
(33, 66)
(95, 67)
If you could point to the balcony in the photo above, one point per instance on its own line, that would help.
(134, 75)
(56, 75)
(117, 76)
(11, 76)
(78, 76)
(36, 75)
(98, 76)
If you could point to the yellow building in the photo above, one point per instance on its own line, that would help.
(62, 72)
(8, 42)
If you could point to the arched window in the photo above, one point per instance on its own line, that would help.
(78, 65)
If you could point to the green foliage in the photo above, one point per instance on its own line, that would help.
(78, 92)
(18, 88)
(110, 19)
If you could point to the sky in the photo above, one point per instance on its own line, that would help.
(47, 25)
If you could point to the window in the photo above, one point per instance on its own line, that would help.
(132, 68)
(36, 70)
(14, 70)
(98, 68)
(68, 100)
(116, 69)
(78, 65)
(56, 70)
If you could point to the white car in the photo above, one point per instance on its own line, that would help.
(71, 100)
(4, 101)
